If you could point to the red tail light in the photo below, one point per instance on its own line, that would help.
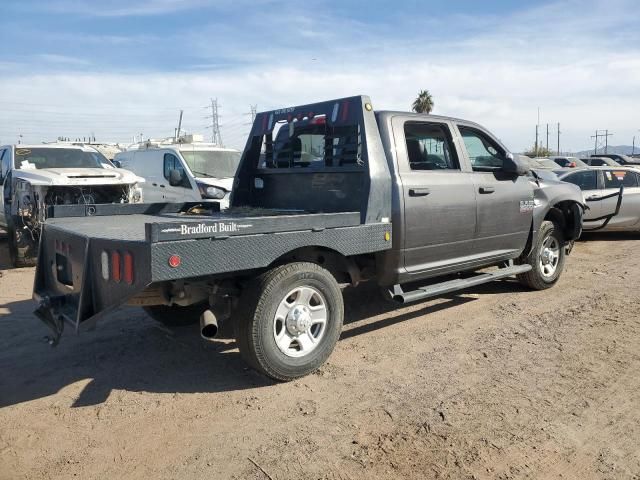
(128, 268)
(116, 272)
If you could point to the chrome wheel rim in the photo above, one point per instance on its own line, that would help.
(300, 321)
(549, 256)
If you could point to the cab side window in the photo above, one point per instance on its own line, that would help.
(429, 147)
(171, 162)
(618, 178)
(483, 152)
(587, 180)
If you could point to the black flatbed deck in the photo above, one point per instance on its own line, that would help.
(184, 226)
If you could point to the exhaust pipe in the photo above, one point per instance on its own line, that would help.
(208, 325)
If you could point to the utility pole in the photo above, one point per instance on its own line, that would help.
(606, 140)
(216, 136)
(177, 134)
(633, 146)
(558, 138)
(537, 125)
(547, 137)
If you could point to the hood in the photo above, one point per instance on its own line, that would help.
(78, 176)
(225, 183)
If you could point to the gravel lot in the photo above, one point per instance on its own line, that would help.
(495, 383)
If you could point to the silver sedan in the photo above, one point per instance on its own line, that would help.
(612, 194)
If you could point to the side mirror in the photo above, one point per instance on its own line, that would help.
(176, 178)
(514, 165)
(116, 163)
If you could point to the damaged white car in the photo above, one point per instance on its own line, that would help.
(34, 177)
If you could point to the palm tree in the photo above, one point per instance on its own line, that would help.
(423, 102)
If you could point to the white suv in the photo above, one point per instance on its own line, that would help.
(182, 172)
(33, 177)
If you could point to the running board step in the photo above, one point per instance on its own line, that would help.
(438, 289)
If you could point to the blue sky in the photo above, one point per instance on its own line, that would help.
(118, 68)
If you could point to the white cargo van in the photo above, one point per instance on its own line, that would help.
(181, 171)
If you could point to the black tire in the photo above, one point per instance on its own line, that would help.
(175, 315)
(536, 278)
(21, 249)
(255, 322)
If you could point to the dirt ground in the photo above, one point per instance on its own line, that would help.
(494, 383)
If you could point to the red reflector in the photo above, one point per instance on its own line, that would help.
(116, 273)
(128, 268)
(174, 261)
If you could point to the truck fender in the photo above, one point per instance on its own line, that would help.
(344, 269)
(567, 214)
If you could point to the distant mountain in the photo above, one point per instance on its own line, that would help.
(619, 149)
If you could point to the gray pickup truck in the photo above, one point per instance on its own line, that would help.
(326, 195)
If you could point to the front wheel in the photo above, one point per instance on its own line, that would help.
(290, 320)
(546, 258)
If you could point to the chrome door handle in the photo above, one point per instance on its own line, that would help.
(487, 190)
(419, 192)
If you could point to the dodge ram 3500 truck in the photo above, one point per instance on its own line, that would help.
(326, 195)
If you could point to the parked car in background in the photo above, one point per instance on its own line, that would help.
(36, 177)
(625, 160)
(184, 171)
(601, 187)
(546, 163)
(600, 162)
(569, 162)
(537, 163)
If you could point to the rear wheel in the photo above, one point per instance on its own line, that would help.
(175, 315)
(546, 258)
(290, 320)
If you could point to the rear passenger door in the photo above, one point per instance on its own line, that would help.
(504, 200)
(630, 208)
(439, 198)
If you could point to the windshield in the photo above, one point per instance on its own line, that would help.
(212, 163)
(37, 158)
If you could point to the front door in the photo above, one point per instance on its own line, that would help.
(505, 201)
(439, 198)
(173, 193)
(592, 193)
(5, 159)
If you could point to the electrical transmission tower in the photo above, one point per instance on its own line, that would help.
(601, 140)
(216, 136)
(253, 111)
